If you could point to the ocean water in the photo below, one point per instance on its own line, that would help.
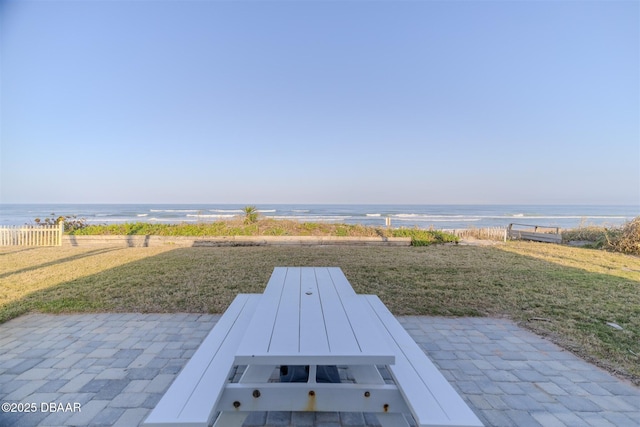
(442, 217)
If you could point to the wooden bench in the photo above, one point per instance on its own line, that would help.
(192, 398)
(537, 233)
(429, 396)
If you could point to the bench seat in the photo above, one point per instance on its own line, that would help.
(192, 397)
(431, 399)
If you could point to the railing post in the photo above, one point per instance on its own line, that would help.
(60, 232)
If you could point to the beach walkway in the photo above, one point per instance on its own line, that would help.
(111, 369)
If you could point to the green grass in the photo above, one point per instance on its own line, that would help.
(567, 294)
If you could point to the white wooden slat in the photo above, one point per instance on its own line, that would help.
(340, 282)
(291, 327)
(209, 388)
(274, 285)
(272, 358)
(357, 314)
(367, 332)
(313, 332)
(190, 399)
(258, 334)
(433, 401)
(339, 333)
(286, 328)
(182, 387)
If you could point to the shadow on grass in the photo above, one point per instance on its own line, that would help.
(569, 305)
(11, 252)
(132, 240)
(57, 261)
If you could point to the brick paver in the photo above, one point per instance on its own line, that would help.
(117, 366)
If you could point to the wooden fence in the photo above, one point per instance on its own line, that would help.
(32, 235)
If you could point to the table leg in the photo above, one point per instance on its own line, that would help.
(366, 374)
(257, 374)
(231, 419)
(251, 374)
(392, 420)
(369, 374)
(313, 372)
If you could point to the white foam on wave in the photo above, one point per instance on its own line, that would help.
(311, 218)
(428, 217)
(418, 215)
(374, 214)
(226, 210)
(558, 216)
(211, 216)
(436, 218)
(171, 220)
(173, 210)
(142, 215)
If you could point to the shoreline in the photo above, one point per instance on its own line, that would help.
(441, 217)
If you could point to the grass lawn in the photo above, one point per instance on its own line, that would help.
(567, 294)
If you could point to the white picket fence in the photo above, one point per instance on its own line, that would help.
(32, 235)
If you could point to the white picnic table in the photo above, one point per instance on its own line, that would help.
(310, 316)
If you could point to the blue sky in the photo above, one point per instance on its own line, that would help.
(118, 101)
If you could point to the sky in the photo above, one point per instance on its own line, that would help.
(424, 102)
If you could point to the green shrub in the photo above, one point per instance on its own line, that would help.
(310, 225)
(588, 234)
(342, 230)
(421, 237)
(276, 231)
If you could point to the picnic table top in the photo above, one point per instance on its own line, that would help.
(312, 316)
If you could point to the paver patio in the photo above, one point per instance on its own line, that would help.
(117, 366)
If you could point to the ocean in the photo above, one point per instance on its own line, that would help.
(441, 217)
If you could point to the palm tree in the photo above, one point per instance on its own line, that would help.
(250, 214)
